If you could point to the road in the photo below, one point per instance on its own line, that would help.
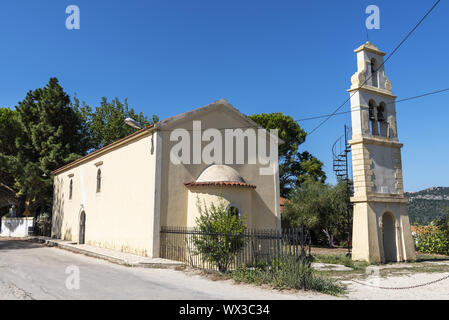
(32, 271)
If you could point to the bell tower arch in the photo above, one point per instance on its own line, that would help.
(377, 165)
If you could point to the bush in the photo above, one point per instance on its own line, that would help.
(221, 237)
(288, 272)
(43, 223)
(431, 239)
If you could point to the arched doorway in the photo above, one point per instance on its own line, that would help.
(82, 234)
(389, 237)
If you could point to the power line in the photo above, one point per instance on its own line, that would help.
(391, 54)
(398, 101)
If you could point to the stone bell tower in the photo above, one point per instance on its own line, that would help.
(381, 230)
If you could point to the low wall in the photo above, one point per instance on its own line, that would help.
(15, 227)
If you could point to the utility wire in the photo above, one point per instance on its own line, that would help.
(398, 101)
(391, 54)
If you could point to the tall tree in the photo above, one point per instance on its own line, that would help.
(295, 167)
(9, 130)
(51, 136)
(106, 123)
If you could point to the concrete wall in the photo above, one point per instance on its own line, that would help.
(120, 217)
(15, 227)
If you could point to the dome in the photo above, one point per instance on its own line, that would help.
(219, 172)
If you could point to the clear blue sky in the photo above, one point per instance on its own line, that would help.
(297, 57)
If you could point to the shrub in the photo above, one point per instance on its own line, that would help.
(220, 238)
(288, 272)
(431, 239)
(43, 222)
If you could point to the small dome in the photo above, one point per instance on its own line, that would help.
(219, 172)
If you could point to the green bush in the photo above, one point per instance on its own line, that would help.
(288, 272)
(431, 239)
(220, 238)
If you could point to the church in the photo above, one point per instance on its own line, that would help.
(119, 197)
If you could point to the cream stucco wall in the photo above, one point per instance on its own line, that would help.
(142, 189)
(238, 197)
(120, 217)
(265, 208)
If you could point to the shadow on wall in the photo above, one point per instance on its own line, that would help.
(58, 210)
(263, 213)
(12, 224)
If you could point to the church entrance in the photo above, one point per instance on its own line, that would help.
(82, 233)
(389, 237)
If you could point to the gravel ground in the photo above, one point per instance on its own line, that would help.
(435, 291)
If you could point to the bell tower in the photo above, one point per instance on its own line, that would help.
(381, 227)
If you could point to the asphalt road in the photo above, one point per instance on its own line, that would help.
(32, 271)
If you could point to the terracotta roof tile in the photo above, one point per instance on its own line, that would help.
(220, 184)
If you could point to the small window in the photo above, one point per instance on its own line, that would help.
(373, 118)
(234, 211)
(98, 181)
(71, 189)
(374, 73)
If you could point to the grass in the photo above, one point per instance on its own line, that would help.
(341, 259)
(288, 273)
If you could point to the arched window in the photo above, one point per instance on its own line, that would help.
(373, 118)
(71, 189)
(374, 80)
(98, 180)
(381, 119)
(234, 211)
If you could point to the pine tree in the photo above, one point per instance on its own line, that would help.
(52, 134)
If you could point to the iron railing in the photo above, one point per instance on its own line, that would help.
(227, 251)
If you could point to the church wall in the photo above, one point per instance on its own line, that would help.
(120, 217)
(174, 201)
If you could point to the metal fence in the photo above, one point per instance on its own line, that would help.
(227, 251)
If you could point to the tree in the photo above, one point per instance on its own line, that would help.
(9, 130)
(106, 124)
(295, 167)
(220, 238)
(321, 207)
(51, 136)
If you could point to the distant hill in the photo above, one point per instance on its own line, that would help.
(427, 205)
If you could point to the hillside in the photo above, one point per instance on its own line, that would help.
(427, 205)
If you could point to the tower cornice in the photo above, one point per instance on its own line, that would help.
(374, 90)
(376, 140)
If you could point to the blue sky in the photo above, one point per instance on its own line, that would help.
(262, 56)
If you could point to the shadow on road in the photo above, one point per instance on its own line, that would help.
(14, 244)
